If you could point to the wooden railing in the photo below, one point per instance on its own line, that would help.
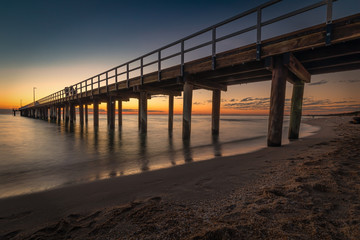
(122, 72)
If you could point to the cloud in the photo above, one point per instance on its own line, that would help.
(248, 103)
(351, 80)
(155, 111)
(129, 110)
(309, 104)
(198, 103)
(321, 82)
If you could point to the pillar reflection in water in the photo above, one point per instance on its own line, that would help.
(187, 150)
(143, 152)
(171, 150)
(217, 145)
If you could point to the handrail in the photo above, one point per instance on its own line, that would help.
(95, 82)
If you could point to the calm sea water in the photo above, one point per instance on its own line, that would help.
(37, 155)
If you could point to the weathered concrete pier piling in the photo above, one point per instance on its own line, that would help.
(292, 58)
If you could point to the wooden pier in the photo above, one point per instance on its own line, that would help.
(290, 58)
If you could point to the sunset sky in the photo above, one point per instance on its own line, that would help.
(51, 44)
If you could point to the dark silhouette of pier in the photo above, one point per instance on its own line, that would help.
(332, 46)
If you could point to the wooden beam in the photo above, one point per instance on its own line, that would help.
(59, 114)
(156, 91)
(332, 69)
(86, 113)
(143, 112)
(112, 113)
(72, 113)
(120, 113)
(332, 51)
(277, 102)
(295, 66)
(187, 105)
(96, 113)
(171, 113)
(296, 110)
(208, 85)
(81, 113)
(216, 100)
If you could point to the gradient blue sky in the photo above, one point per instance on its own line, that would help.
(51, 44)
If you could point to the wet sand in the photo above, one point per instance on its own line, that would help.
(308, 189)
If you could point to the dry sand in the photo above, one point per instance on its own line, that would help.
(308, 189)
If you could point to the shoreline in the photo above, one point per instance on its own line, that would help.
(204, 189)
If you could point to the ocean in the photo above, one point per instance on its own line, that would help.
(38, 155)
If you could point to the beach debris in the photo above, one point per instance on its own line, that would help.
(356, 120)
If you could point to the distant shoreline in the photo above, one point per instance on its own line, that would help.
(10, 111)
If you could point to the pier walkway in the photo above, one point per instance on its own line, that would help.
(332, 46)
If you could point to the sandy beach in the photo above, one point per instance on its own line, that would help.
(308, 189)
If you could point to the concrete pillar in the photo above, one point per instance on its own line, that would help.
(277, 102)
(215, 123)
(120, 113)
(81, 113)
(187, 104)
(86, 113)
(96, 113)
(171, 113)
(296, 109)
(63, 113)
(143, 112)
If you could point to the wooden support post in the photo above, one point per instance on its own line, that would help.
(296, 109)
(216, 100)
(171, 112)
(96, 113)
(139, 114)
(277, 102)
(81, 113)
(86, 113)
(187, 104)
(54, 113)
(143, 111)
(72, 113)
(111, 113)
(67, 112)
(120, 113)
(59, 114)
(108, 111)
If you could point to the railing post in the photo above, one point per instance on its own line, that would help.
(98, 84)
(258, 35)
(182, 58)
(107, 83)
(116, 80)
(159, 65)
(127, 76)
(142, 71)
(86, 88)
(328, 22)
(213, 48)
(92, 87)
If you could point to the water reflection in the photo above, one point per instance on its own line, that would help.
(187, 151)
(217, 145)
(144, 161)
(171, 149)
